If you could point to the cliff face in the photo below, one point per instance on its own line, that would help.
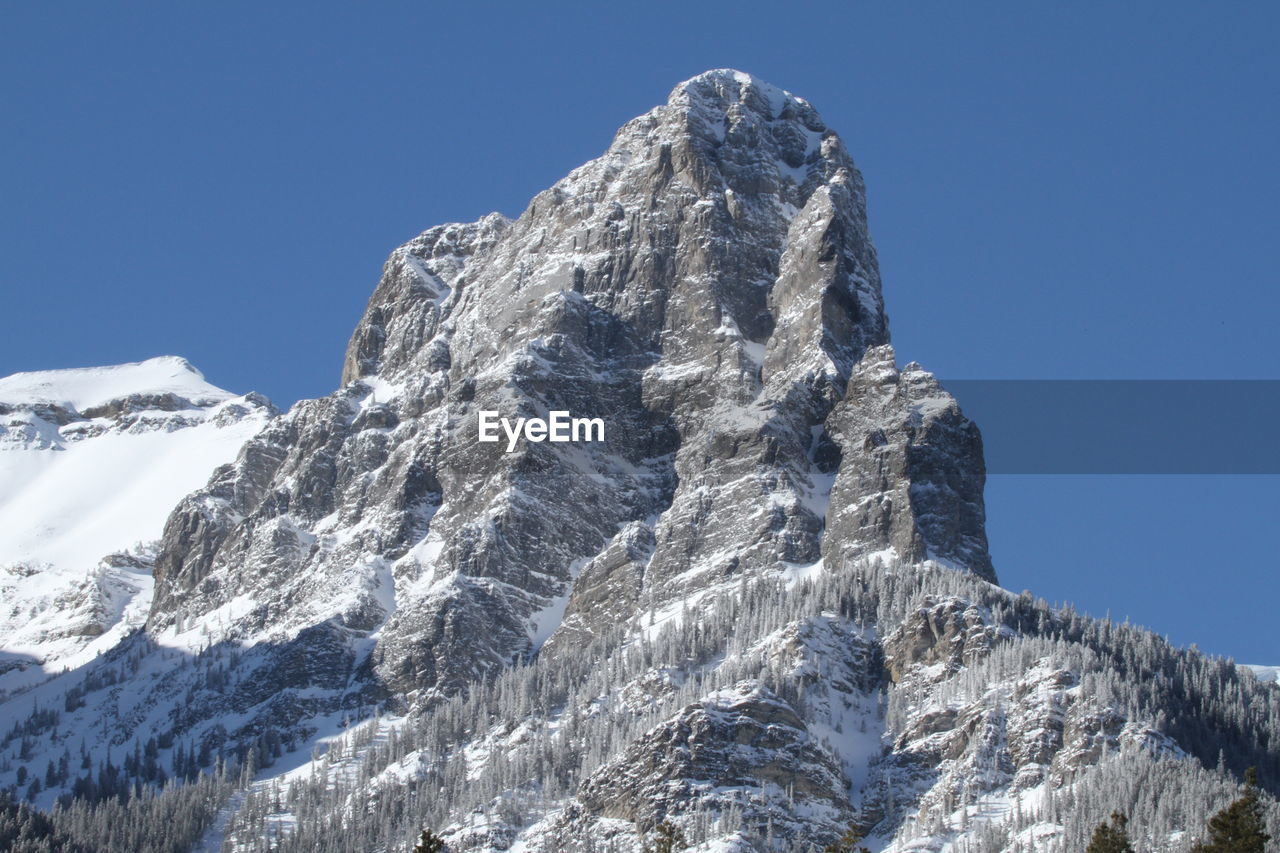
(759, 610)
(707, 289)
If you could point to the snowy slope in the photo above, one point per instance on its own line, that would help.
(1264, 673)
(91, 463)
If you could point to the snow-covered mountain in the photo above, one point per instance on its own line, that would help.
(760, 610)
(92, 461)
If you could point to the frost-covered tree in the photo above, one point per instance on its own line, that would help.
(25, 830)
(1111, 836)
(429, 842)
(1238, 828)
(519, 746)
(667, 838)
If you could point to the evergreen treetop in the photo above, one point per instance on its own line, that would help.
(667, 838)
(1112, 837)
(1238, 828)
(429, 842)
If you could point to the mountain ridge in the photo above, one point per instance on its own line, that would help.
(81, 388)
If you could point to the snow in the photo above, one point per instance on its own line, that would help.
(439, 289)
(71, 496)
(544, 622)
(1264, 673)
(668, 371)
(777, 97)
(67, 509)
(84, 388)
(380, 392)
(929, 407)
(795, 573)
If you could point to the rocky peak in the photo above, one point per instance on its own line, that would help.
(753, 135)
(911, 470)
(707, 216)
(706, 287)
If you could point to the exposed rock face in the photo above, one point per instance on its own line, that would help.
(742, 738)
(970, 726)
(951, 632)
(910, 469)
(707, 287)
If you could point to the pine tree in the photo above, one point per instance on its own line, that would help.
(429, 842)
(667, 838)
(26, 830)
(1239, 827)
(850, 842)
(1111, 837)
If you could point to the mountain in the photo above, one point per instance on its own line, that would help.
(92, 461)
(759, 607)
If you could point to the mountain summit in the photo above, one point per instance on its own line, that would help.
(758, 610)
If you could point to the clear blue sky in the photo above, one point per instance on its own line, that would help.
(1083, 190)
